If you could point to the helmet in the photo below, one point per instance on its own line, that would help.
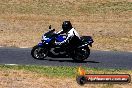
(66, 26)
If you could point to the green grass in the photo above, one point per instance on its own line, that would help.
(45, 70)
(48, 7)
(62, 71)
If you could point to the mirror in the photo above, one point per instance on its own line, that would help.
(50, 27)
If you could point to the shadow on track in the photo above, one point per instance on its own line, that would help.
(66, 59)
(71, 61)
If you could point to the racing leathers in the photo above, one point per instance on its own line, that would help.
(70, 34)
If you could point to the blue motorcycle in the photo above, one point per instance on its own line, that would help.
(77, 49)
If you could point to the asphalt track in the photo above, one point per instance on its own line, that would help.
(99, 59)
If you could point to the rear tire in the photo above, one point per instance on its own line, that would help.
(39, 52)
(81, 54)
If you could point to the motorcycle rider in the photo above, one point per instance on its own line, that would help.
(72, 36)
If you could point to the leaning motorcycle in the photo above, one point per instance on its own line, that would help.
(48, 46)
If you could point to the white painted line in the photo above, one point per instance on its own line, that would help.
(24, 47)
(11, 64)
(105, 50)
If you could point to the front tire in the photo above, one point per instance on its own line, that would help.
(39, 52)
(81, 54)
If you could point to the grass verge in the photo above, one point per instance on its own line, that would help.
(52, 77)
(63, 71)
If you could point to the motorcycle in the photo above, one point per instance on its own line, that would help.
(48, 46)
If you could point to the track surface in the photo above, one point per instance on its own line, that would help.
(101, 59)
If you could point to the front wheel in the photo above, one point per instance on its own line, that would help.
(39, 52)
(81, 54)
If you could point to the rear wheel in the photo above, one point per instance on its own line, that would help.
(81, 54)
(39, 52)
